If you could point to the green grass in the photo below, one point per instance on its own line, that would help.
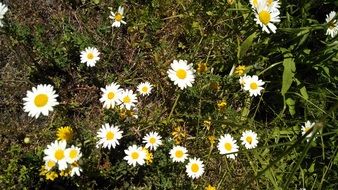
(41, 44)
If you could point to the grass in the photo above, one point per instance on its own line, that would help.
(41, 43)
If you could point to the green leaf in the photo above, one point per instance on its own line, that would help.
(288, 73)
(303, 92)
(291, 104)
(246, 45)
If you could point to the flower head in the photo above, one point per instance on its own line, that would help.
(135, 155)
(178, 154)
(90, 56)
(332, 24)
(266, 16)
(308, 126)
(227, 145)
(181, 73)
(144, 88)
(128, 99)
(240, 70)
(202, 67)
(117, 17)
(195, 168)
(111, 95)
(64, 133)
(253, 85)
(249, 139)
(56, 152)
(109, 136)
(152, 140)
(73, 154)
(40, 100)
(210, 187)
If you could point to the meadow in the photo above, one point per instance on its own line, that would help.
(177, 94)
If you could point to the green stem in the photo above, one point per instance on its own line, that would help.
(173, 108)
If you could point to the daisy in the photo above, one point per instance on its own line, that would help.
(332, 24)
(90, 56)
(40, 100)
(135, 155)
(249, 139)
(178, 154)
(57, 152)
(64, 133)
(253, 85)
(144, 88)
(128, 99)
(181, 73)
(242, 80)
(117, 17)
(110, 96)
(266, 16)
(109, 136)
(195, 168)
(152, 140)
(73, 154)
(227, 145)
(3, 10)
(49, 164)
(75, 169)
(306, 128)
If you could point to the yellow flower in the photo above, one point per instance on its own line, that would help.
(240, 70)
(207, 124)
(178, 134)
(43, 170)
(149, 156)
(51, 175)
(221, 104)
(214, 86)
(210, 187)
(230, 2)
(202, 67)
(212, 139)
(64, 133)
(65, 172)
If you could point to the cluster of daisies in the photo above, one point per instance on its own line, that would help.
(60, 160)
(251, 84)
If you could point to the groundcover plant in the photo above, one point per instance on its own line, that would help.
(178, 94)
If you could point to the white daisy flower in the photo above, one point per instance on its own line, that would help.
(242, 80)
(144, 88)
(332, 24)
(73, 154)
(3, 10)
(75, 170)
(49, 164)
(117, 17)
(40, 100)
(249, 139)
(135, 155)
(181, 73)
(128, 99)
(178, 154)
(253, 85)
(307, 127)
(109, 136)
(152, 140)
(227, 145)
(266, 16)
(195, 168)
(111, 95)
(90, 56)
(57, 152)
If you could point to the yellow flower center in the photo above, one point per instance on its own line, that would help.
(307, 129)
(144, 89)
(134, 155)
(118, 17)
(41, 100)
(152, 140)
(227, 146)
(248, 139)
(50, 164)
(253, 86)
(179, 154)
(110, 136)
(194, 167)
(73, 154)
(332, 24)
(90, 55)
(126, 99)
(181, 73)
(59, 154)
(264, 17)
(269, 2)
(111, 95)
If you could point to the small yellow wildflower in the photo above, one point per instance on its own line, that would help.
(221, 104)
(210, 187)
(240, 70)
(214, 86)
(230, 2)
(132, 113)
(207, 124)
(65, 172)
(43, 170)
(202, 67)
(64, 133)
(149, 156)
(212, 139)
(51, 175)
(178, 134)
